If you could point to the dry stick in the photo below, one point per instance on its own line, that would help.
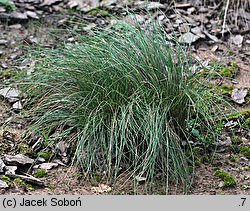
(237, 13)
(225, 17)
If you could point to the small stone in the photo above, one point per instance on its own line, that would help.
(2, 166)
(40, 159)
(140, 180)
(149, 5)
(46, 166)
(198, 31)
(221, 184)
(231, 124)
(19, 16)
(4, 65)
(3, 42)
(244, 159)
(239, 94)
(17, 106)
(50, 2)
(32, 14)
(155, 5)
(188, 38)
(234, 81)
(237, 40)
(3, 184)
(214, 48)
(89, 27)
(10, 169)
(191, 10)
(11, 94)
(15, 26)
(18, 159)
(2, 10)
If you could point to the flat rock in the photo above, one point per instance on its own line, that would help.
(18, 159)
(19, 16)
(188, 38)
(27, 178)
(10, 94)
(198, 31)
(14, 17)
(3, 42)
(46, 166)
(238, 95)
(3, 184)
(32, 14)
(10, 169)
(15, 26)
(50, 2)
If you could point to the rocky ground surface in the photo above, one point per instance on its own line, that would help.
(46, 23)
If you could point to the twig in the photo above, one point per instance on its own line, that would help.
(225, 17)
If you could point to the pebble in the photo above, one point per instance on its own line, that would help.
(3, 42)
(32, 14)
(15, 26)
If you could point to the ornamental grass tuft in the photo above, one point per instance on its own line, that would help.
(131, 99)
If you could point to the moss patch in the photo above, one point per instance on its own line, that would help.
(228, 180)
(221, 70)
(45, 155)
(243, 114)
(7, 180)
(247, 123)
(245, 150)
(21, 182)
(226, 90)
(24, 149)
(229, 71)
(98, 12)
(41, 173)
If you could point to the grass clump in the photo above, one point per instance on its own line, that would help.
(128, 96)
(229, 181)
